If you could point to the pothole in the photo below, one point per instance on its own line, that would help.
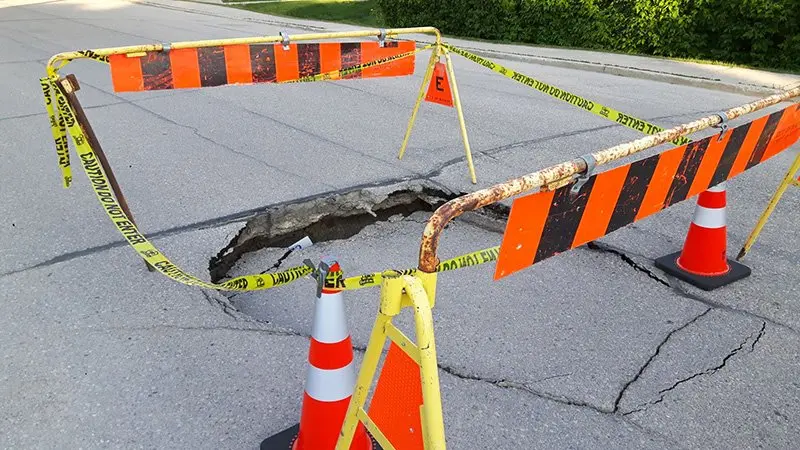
(325, 218)
(339, 216)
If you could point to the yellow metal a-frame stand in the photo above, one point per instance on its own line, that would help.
(438, 51)
(417, 293)
(788, 180)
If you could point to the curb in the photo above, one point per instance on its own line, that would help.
(714, 84)
(632, 72)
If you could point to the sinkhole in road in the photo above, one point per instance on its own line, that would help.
(337, 216)
(327, 217)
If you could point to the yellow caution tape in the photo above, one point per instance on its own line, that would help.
(92, 55)
(459, 262)
(568, 97)
(102, 188)
(341, 73)
(59, 131)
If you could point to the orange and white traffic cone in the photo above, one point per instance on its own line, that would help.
(703, 261)
(329, 383)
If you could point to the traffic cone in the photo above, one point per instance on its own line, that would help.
(703, 261)
(329, 382)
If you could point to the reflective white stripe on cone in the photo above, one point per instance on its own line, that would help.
(709, 217)
(333, 328)
(704, 252)
(331, 385)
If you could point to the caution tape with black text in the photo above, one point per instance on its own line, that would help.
(341, 73)
(568, 97)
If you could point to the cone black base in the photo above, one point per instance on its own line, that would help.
(282, 440)
(669, 265)
(285, 439)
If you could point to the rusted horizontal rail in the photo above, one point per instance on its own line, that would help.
(65, 57)
(561, 172)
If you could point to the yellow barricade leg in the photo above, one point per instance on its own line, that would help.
(789, 179)
(461, 123)
(438, 51)
(398, 293)
(428, 74)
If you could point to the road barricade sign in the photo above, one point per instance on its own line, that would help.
(547, 223)
(439, 89)
(405, 412)
(254, 63)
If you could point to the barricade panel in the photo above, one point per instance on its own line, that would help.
(185, 68)
(569, 219)
(755, 138)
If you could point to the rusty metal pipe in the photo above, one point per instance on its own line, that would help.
(478, 199)
(62, 58)
(68, 87)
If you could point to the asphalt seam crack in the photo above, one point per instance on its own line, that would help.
(678, 289)
(759, 336)
(605, 248)
(507, 147)
(210, 223)
(224, 304)
(653, 357)
(756, 337)
(44, 113)
(507, 384)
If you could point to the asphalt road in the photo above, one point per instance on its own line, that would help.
(582, 351)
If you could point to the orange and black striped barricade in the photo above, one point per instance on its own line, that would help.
(547, 223)
(219, 65)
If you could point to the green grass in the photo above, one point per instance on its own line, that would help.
(357, 13)
(365, 13)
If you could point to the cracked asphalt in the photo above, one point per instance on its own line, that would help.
(594, 348)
